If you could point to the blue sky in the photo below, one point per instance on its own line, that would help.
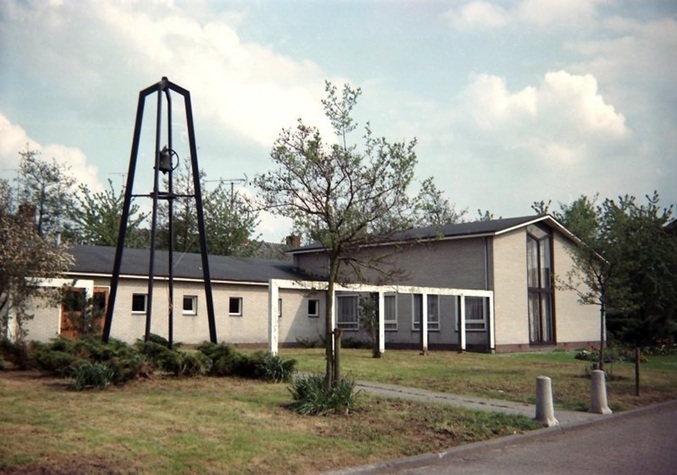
(511, 102)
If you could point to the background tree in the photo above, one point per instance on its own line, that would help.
(231, 221)
(26, 255)
(434, 209)
(628, 262)
(230, 218)
(47, 186)
(485, 215)
(95, 218)
(541, 207)
(338, 195)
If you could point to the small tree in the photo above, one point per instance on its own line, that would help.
(628, 262)
(26, 256)
(340, 196)
(369, 320)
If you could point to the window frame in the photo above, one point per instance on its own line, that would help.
(192, 312)
(390, 325)
(473, 321)
(145, 304)
(240, 305)
(316, 314)
(540, 286)
(433, 324)
(348, 326)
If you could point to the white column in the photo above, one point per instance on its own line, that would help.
(424, 323)
(461, 322)
(381, 323)
(492, 326)
(273, 312)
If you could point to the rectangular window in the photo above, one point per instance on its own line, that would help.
(390, 312)
(279, 308)
(190, 305)
(313, 308)
(475, 314)
(235, 306)
(347, 312)
(139, 302)
(433, 312)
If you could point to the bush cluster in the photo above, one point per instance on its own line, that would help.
(311, 396)
(226, 361)
(93, 364)
(64, 357)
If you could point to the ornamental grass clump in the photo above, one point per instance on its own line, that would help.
(90, 375)
(311, 396)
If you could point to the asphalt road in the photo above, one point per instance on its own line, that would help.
(643, 441)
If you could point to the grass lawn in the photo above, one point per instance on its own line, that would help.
(504, 376)
(212, 425)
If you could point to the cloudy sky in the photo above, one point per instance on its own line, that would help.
(511, 102)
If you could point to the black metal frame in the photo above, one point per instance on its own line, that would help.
(164, 86)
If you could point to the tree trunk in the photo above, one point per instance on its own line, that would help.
(330, 379)
(337, 356)
(637, 353)
(329, 338)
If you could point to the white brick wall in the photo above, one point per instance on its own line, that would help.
(510, 288)
(575, 322)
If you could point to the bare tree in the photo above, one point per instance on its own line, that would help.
(340, 196)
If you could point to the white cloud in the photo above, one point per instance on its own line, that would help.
(563, 106)
(479, 14)
(14, 139)
(243, 87)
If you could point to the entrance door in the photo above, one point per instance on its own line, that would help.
(80, 317)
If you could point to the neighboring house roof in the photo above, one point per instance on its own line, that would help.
(98, 260)
(494, 227)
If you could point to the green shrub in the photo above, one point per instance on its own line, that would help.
(276, 369)
(88, 375)
(16, 354)
(54, 361)
(61, 357)
(225, 360)
(312, 397)
(191, 364)
(356, 343)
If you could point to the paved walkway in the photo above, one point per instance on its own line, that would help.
(565, 418)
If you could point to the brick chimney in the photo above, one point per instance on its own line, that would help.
(293, 241)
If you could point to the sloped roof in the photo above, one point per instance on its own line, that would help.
(493, 227)
(98, 260)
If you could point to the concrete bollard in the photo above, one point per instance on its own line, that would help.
(545, 413)
(598, 403)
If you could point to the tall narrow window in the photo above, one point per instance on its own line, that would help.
(390, 312)
(347, 312)
(540, 285)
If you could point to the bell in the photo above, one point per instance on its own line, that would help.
(165, 162)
